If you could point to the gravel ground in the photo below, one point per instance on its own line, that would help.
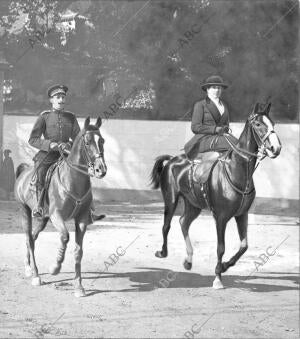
(143, 296)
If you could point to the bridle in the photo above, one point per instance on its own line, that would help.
(88, 158)
(259, 155)
(259, 139)
(89, 167)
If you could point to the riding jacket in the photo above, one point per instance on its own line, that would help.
(205, 119)
(52, 126)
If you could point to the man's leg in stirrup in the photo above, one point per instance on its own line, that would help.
(95, 217)
(40, 187)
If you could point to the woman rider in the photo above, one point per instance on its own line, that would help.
(210, 120)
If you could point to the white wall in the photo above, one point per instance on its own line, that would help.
(132, 145)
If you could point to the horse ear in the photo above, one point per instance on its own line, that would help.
(87, 122)
(98, 122)
(268, 109)
(256, 107)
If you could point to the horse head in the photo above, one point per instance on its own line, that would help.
(93, 149)
(263, 131)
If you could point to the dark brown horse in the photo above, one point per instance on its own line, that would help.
(230, 187)
(70, 197)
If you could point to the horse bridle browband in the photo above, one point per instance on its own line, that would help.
(251, 119)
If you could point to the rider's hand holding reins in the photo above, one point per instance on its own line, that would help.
(54, 146)
(64, 147)
(222, 130)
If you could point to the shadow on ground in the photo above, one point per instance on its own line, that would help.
(151, 278)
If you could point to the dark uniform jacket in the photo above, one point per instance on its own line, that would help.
(206, 117)
(50, 126)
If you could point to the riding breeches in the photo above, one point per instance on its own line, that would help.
(42, 165)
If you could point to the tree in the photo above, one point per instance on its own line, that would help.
(171, 44)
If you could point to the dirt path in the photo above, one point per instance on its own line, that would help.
(142, 296)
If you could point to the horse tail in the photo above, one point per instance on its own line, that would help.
(21, 168)
(157, 169)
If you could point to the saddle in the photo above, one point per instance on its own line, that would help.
(202, 165)
(199, 174)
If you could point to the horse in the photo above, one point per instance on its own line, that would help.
(230, 188)
(69, 196)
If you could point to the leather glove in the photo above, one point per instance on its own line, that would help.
(64, 147)
(226, 129)
(54, 146)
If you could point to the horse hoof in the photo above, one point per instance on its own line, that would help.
(80, 293)
(187, 265)
(54, 269)
(161, 254)
(28, 272)
(217, 284)
(36, 281)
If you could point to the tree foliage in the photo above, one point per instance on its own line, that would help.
(170, 46)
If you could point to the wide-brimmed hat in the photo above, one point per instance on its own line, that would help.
(213, 80)
(57, 89)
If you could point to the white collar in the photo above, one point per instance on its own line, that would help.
(215, 100)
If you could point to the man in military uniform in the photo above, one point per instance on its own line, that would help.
(51, 131)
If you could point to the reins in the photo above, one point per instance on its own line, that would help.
(240, 151)
(248, 156)
(88, 160)
(78, 168)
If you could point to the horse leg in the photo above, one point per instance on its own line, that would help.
(242, 225)
(30, 264)
(190, 213)
(80, 229)
(221, 226)
(40, 227)
(28, 270)
(64, 238)
(171, 200)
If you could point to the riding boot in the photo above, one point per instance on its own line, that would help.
(95, 217)
(38, 212)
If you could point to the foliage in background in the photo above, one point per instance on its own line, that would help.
(100, 48)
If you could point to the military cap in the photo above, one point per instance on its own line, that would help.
(56, 89)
